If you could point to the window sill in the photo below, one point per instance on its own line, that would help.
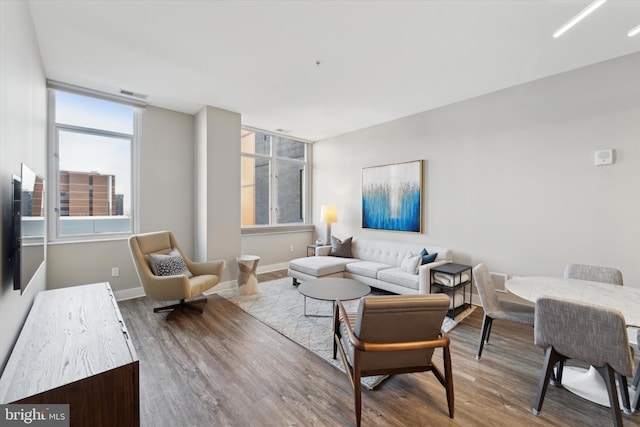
(86, 239)
(279, 229)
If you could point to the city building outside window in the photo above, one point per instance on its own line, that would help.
(92, 157)
(273, 179)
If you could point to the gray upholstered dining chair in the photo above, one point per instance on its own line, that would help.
(590, 333)
(495, 308)
(636, 381)
(593, 273)
(394, 334)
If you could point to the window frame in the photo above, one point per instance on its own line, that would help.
(274, 161)
(54, 205)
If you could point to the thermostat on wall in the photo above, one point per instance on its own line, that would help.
(604, 157)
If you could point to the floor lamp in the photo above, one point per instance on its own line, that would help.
(328, 215)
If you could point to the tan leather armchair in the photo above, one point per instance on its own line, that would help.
(393, 334)
(178, 287)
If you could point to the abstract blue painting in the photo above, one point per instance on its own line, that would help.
(392, 197)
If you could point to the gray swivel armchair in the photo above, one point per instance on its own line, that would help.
(494, 308)
(593, 334)
(593, 273)
(393, 334)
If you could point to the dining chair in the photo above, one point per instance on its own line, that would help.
(593, 273)
(494, 308)
(636, 381)
(590, 333)
(393, 334)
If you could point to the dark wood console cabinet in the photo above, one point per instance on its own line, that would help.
(74, 348)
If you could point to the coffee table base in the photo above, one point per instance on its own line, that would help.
(588, 384)
(332, 289)
(318, 315)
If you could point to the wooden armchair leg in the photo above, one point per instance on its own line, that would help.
(357, 392)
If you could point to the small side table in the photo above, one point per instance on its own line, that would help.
(311, 249)
(247, 279)
(454, 271)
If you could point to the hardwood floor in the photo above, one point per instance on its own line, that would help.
(225, 368)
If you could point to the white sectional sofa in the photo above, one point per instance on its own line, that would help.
(375, 262)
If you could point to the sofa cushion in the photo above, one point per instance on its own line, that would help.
(319, 266)
(399, 277)
(392, 253)
(170, 264)
(427, 257)
(366, 268)
(411, 262)
(341, 248)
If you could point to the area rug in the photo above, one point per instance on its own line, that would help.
(279, 305)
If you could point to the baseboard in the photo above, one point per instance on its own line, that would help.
(130, 293)
(272, 267)
(222, 286)
(139, 291)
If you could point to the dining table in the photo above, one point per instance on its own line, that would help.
(586, 383)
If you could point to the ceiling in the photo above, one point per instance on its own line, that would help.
(321, 68)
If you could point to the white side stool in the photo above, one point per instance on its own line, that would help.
(247, 280)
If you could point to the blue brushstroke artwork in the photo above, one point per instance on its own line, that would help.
(391, 197)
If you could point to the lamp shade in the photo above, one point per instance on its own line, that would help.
(328, 213)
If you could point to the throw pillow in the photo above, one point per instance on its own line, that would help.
(341, 248)
(170, 264)
(410, 263)
(427, 257)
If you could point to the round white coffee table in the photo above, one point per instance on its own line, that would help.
(332, 289)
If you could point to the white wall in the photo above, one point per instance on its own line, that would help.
(217, 208)
(166, 203)
(509, 177)
(23, 115)
(274, 249)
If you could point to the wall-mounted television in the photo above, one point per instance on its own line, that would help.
(28, 226)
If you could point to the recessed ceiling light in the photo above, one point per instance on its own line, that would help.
(579, 17)
(283, 130)
(632, 32)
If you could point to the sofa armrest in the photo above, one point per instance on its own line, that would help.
(424, 272)
(323, 250)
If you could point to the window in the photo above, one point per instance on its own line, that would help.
(92, 147)
(273, 180)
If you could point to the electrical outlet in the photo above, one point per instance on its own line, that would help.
(291, 248)
(115, 272)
